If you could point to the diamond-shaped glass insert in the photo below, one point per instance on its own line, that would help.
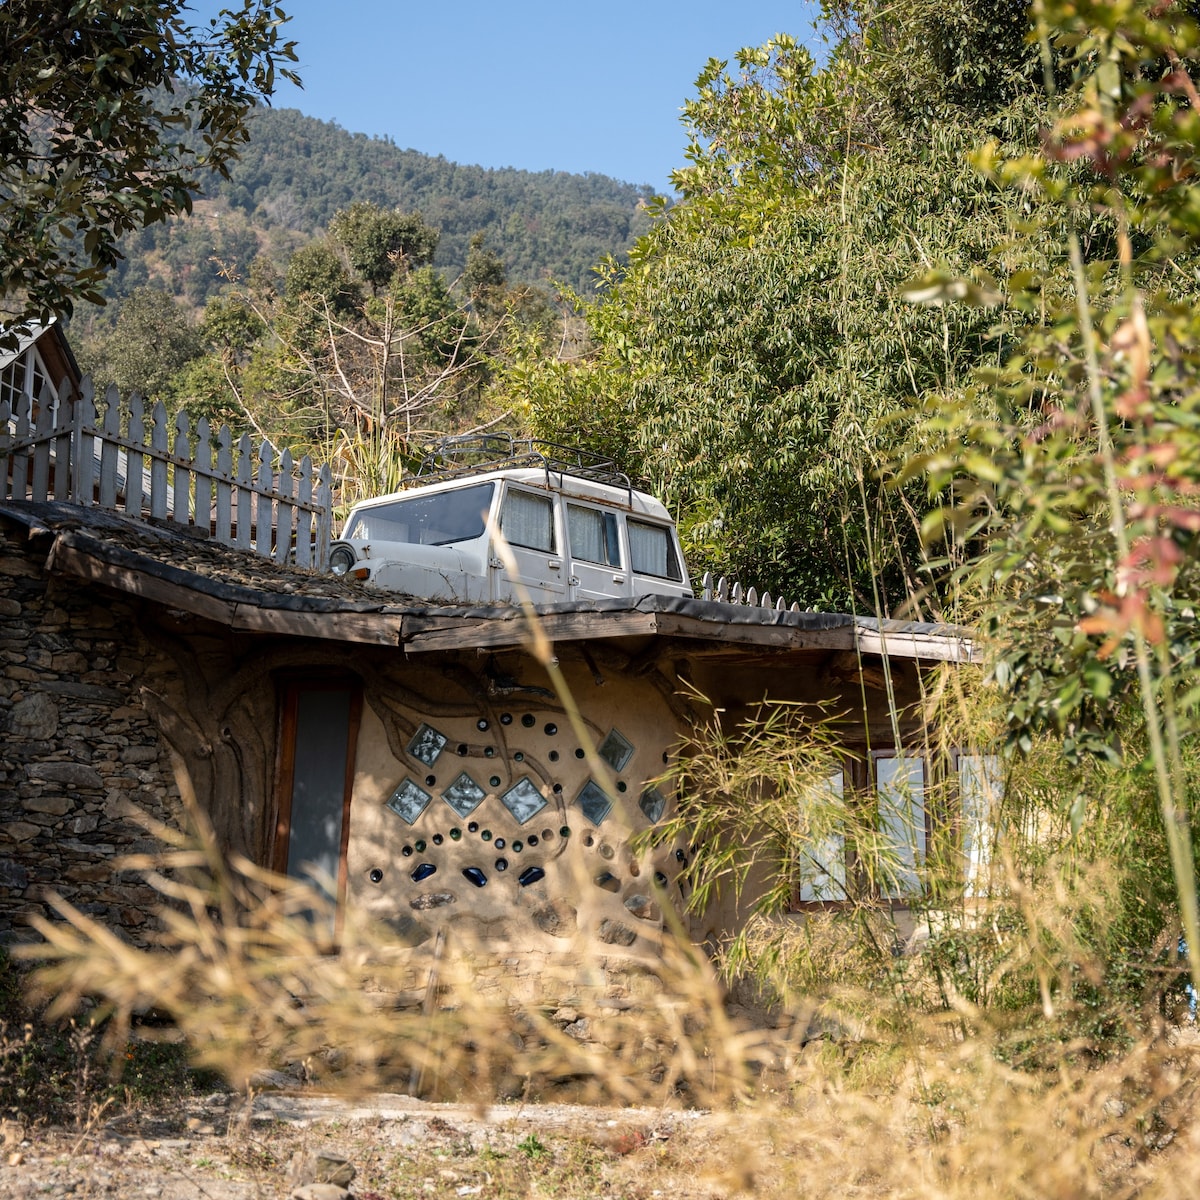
(409, 800)
(523, 800)
(653, 804)
(463, 795)
(427, 744)
(616, 750)
(594, 801)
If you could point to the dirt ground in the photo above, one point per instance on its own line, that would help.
(221, 1148)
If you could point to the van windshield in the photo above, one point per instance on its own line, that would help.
(438, 520)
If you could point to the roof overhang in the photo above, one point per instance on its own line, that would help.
(144, 562)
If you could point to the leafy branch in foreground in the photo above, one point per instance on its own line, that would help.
(1074, 466)
(110, 116)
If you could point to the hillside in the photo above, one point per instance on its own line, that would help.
(298, 171)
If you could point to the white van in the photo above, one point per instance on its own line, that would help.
(576, 528)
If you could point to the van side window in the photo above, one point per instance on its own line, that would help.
(594, 536)
(653, 551)
(528, 520)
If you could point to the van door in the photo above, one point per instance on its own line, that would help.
(529, 523)
(597, 567)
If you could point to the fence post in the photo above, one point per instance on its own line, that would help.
(304, 516)
(158, 463)
(134, 459)
(204, 481)
(324, 517)
(111, 431)
(284, 509)
(83, 465)
(6, 416)
(224, 526)
(63, 418)
(262, 500)
(245, 501)
(181, 493)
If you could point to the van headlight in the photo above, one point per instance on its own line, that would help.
(341, 558)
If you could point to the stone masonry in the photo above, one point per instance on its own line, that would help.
(78, 752)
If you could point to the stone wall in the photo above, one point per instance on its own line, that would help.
(78, 751)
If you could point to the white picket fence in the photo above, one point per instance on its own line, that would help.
(733, 593)
(146, 466)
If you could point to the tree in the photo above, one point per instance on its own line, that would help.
(110, 116)
(150, 344)
(378, 242)
(763, 354)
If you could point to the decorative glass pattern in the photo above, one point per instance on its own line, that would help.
(653, 804)
(427, 744)
(523, 800)
(616, 750)
(409, 800)
(594, 801)
(463, 795)
(531, 875)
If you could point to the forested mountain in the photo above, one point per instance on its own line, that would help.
(297, 171)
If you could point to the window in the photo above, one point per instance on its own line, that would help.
(438, 520)
(900, 795)
(25, 376)
(894, 791)
(652, 551)
(979, 791)
(528, 521)
(594, 535)
(823, 859)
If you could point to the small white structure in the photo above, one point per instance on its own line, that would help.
(574, 529)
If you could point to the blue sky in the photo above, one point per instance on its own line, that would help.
(535, 84)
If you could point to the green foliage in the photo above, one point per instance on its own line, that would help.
(296, 173)
(378, 243)
(757, 338)
(94, 130)
(533, 1147)
(1073, 464)
(150, 344)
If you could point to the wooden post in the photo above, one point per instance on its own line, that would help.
(63, 418)
(204, 481)
(41, 450)
(284, 509)
(245, 502)
(304, 516)
(6, 417)
(262, 500)
(158, 463)
(83, 446)
(182, 492)
(20, 467)
(108, 449)
(224, 523)
(134, 458)
(324, 517)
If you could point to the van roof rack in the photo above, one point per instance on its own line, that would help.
(473, 454)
